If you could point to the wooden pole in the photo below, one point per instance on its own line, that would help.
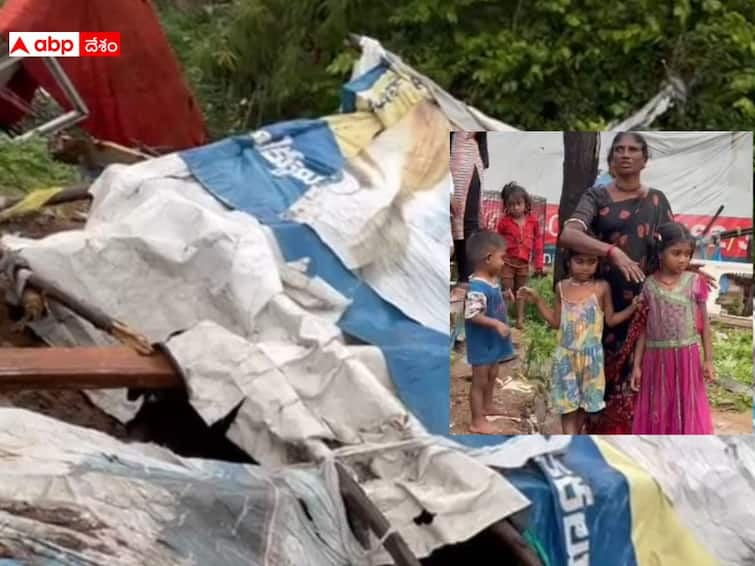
(513, 540)
(69, 194)
(85, 368)
(365, 511)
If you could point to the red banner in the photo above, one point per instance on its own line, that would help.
(732, 248)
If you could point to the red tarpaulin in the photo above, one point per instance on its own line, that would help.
(138, 98)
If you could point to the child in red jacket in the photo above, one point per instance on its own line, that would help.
(524, 242)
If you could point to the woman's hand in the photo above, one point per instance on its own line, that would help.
(709, 279)
(709, 372)
(629, 267)
(636, 379)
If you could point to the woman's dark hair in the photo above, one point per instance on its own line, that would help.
(667, 235)
(481, 244)
(512, 190)
(637, 137)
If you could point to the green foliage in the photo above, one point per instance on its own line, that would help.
(538, 345)
(544, 288)
(253, 62)
(723, 399)
(732, 355)
(732, 352)
(546, 64)
(25, 166)
(538, 339)
(577, 65)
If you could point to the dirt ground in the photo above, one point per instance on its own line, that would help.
(526, 415)
(69, 406)
(517, 398)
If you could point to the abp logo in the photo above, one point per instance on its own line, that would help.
(43, 44)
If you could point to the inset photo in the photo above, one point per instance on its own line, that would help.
(601, 283)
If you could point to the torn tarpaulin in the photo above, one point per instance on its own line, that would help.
(74, 496)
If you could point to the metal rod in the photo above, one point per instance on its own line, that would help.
(712, 220)
(61, 122)
(8, 68)
(8, 62)
(728, 234)
(80, 111)
(66, 85)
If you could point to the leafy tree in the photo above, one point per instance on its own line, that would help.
(545, 64)
(562, 64)
(259, 61)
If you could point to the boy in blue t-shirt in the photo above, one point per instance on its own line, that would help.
(486, 326)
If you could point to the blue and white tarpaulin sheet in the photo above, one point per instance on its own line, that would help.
(280, 170)
(300, 273)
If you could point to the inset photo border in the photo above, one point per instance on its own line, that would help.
(601, 283)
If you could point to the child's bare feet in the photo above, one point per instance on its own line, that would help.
(482, 427)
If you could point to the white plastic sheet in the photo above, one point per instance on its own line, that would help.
(160, 254)
(74, 496)
(697, 171)
(711, 483)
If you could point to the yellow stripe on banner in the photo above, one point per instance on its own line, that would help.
(659, 537)
(31, 203)
(391, 97)
(354, 131)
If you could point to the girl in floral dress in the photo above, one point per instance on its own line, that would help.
(668, 373)
(582, 304)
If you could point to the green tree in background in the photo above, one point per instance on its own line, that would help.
(545, 64)
(259, 61)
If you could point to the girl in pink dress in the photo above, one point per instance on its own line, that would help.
(668, 375)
